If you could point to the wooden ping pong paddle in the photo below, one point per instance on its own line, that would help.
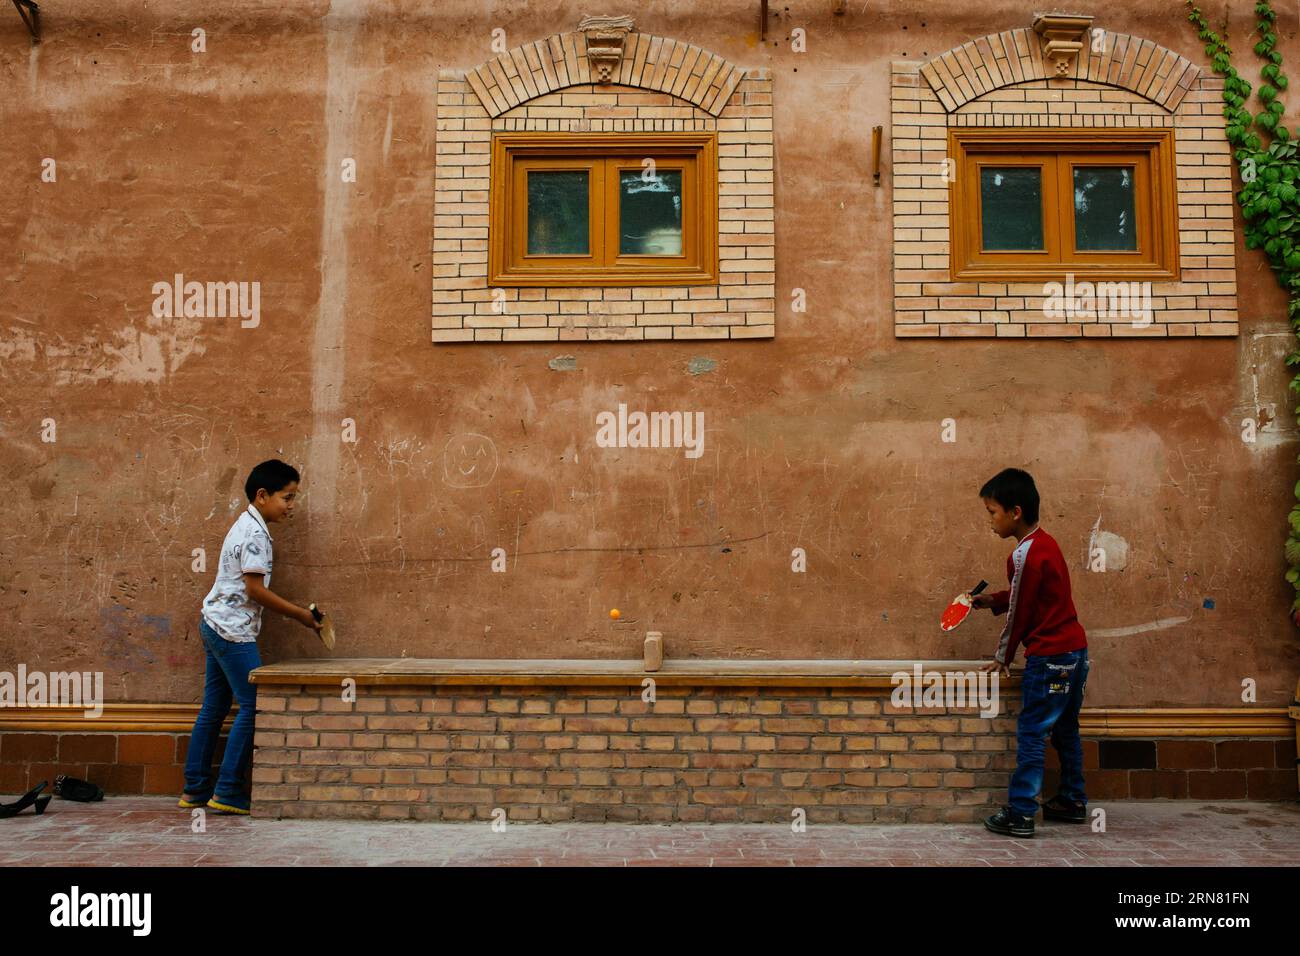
(961, 605)
(327, 627)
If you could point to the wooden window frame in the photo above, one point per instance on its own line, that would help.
(1058, 151)
(513, 154)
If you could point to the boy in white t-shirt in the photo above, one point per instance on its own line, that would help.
(229, 625)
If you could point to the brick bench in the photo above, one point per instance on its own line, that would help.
(723, 741)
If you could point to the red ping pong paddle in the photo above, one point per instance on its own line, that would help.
(956, 612)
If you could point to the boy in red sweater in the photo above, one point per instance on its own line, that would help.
(1040, 615)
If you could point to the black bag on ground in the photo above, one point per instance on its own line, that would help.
(70, 788)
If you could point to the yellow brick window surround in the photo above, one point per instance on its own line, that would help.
(604, 184)
(1016, 124)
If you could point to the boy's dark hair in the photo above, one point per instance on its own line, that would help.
(272, 475)
(1011, 487)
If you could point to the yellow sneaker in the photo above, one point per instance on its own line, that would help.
(226, 808)
(187, 803)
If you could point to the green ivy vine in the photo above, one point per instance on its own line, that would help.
(1270, 174)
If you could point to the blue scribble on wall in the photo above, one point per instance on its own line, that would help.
(126, 633)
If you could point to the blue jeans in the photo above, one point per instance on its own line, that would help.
(227, 676)
(1052, 694)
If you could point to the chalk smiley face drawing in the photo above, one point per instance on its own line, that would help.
(469, 461)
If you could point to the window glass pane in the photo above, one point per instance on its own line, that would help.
(650, 213)
(1103, 208)
(557, 213)
(1011, 207)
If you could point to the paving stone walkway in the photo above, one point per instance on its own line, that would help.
(135, 831)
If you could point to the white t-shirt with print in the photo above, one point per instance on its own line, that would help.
(228, 609)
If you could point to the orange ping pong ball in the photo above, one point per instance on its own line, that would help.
(613, 614)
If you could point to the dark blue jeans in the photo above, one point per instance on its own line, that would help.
(227, 676)
(1052, 694)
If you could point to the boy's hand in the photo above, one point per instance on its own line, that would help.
(994, 665)
(980, 600)
(307, 619)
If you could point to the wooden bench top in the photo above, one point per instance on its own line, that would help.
(681, 671)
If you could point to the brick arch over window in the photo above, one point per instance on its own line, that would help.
(649, 62)
(980, 66)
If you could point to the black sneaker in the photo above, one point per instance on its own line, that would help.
(1065, 811)
(1009, 823)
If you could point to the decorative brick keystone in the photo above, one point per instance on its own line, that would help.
(605, 39)
(1062, 35)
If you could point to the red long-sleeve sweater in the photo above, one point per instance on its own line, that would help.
(1040, 611)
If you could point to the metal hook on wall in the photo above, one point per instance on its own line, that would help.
(31, 14)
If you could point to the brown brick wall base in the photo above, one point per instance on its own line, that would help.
(698, 754)
(121, 763)
(1182, 768)
(699, 770)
